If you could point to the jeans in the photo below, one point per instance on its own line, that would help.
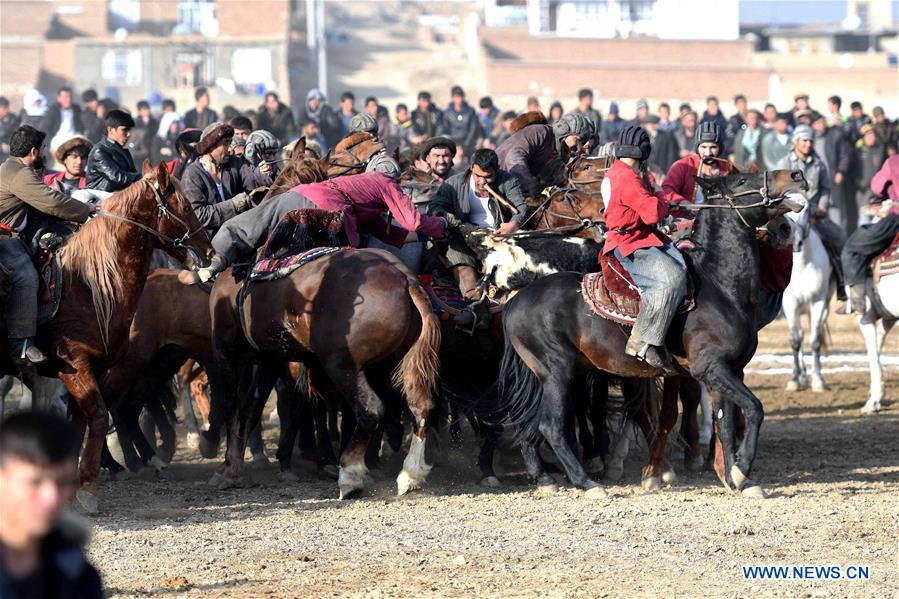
(21, 304)
(864, 245)
(661, 275)
(244, 233)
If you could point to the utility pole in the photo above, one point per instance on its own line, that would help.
(322, 44)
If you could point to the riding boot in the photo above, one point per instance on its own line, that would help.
(26, 349)
(857, 298)
(655, 356)
(216, 265)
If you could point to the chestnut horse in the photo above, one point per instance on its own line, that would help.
(105, 266)
(712, 343)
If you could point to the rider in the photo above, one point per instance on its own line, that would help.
(464, 199)
(73, 156)
(24, 199)
(804, 158)
(261, 152)
(704, 161)
(537, 153)
(435, 156)
(363, 122)
(632, 214)
(362, 199)
(109, 164)
(217, 185)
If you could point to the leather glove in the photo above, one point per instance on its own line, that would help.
(242, 202)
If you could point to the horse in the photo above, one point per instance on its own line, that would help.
(880, 315)
(104, 267)
(812, 285)
(551, 336)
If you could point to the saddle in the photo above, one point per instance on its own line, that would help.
(447, 301)
(49, 292)
(887, 263)
(299, 238)
(612, 294)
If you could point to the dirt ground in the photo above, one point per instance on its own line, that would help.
(832, 476)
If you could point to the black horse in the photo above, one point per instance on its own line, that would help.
(551, 336)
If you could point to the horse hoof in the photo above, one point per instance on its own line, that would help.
(491, 482)
(158, 464)
(613, 474)
(792, 386)
(547, 490)
(286, 476)
(819, 387)
(754, 490)
(669, 476)
(351, 480)
(596, 493)
(871, 408)
(595, 466)
(738, 477)
(216, 479)
(86, 502)
(652, 483)
(405, 482)
(192, 441)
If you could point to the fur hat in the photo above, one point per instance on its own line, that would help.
(353, 139)
(76, 143)
(212, 135)
(436, 142)
(533, 117)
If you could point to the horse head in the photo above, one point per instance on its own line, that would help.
(299, 167)
(756, 198)
(586, 173)
(178, 230)
(352, 153)
(571, 208)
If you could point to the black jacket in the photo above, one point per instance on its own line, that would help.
(200, 190)
(428, 123)
(110, 167)
(196, 120)
(462, 127)
(65, 572)
(141, 144)
(281, 125)
(52, 120)
(664, 151)
(329, 124)
(452, 197)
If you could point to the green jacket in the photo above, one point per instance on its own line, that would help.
(21, 190)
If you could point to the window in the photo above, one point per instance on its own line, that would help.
(197, 16)
(122, 67)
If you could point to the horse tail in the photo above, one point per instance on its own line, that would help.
(515, 397)
(417, 372)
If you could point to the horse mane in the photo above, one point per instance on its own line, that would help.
(92, 255)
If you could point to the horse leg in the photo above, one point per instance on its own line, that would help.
(415, 468)
(597, 406)
(210, 438)
(326, 458)
(290, 414)
(873, 335)
(85, 392)
(658, 466)
(489, 435)
(738, 466)
(368, 411)
(534, 465)
(800, 377)
(159, 418)
(122, 418)
(108, 462)
(817, 320)
(690, 393)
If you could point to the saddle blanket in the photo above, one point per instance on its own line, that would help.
(269, 269)
(613, 295)
(887, 263)
(49, 285)
(447, 299)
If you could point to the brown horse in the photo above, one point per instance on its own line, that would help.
(105, 266)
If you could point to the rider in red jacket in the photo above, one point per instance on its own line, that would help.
(632, 214)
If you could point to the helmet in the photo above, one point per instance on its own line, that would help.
(633, 142)
(385, 164)
(708, 132)
(363, 122)
(574, 123)
(258, 144)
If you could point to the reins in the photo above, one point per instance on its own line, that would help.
(766, 201)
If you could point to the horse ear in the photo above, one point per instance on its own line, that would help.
(299, 149)
(162, 175)
(706, 183)
(325, 161)
(146, 168)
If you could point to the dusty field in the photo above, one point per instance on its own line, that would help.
(832, 476)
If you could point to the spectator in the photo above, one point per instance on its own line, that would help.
(92, 125)
(72, 155)
(834, 103)
(461, 124)
(855, 123)
(487, 115)
(381, 116)
(145, 127)
(776, 144)
(109, 165)
(800, 103)
(585, 107)
(770, 115)
(533, 104)
(832, 147)
(34, 107)
(869, 157)
(41, 545)
(347, 110)
(664, 146)
(883, 128)
(310, 131)
(229, 112)
(685, 134)
(201, 115)
(242, 129)
(683, 110)
(63, 120)
(735, 123)
(8, 123)
(665, 123)
(427, 119)
(713, 114)
(165, 142)
(642, 112)
(168, 105)
(505, 127)
(612, 126)
(555, 112)
(317, 110)
(746, 141)
(276, 117)
(402, 127)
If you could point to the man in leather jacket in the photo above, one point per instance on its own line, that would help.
(109, 165)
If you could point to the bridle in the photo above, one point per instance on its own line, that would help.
(162, 212)
(356, 163)
(579, 223)
(766, 202)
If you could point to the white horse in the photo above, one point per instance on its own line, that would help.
(875, 325)
(812, 285)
